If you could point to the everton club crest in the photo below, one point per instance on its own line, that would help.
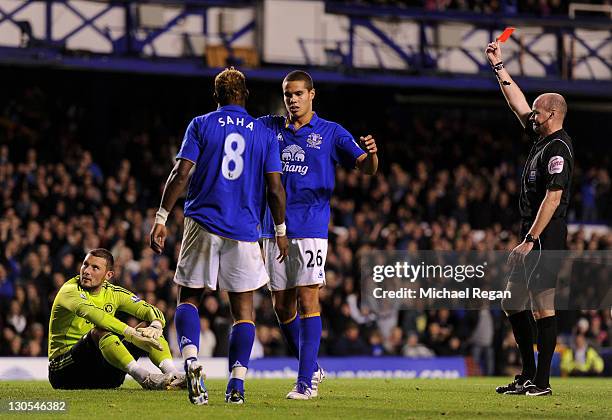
(314, 140)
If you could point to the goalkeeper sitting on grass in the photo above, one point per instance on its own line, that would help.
(85, 345)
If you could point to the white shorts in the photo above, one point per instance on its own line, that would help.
(305, 265)
(207, 260)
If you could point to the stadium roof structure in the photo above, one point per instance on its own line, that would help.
(372, 45)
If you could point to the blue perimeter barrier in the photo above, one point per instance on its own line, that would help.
(36, 368)
(365, 367)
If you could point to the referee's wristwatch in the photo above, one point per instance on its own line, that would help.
(529, 238)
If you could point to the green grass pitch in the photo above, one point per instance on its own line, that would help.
(339, 398)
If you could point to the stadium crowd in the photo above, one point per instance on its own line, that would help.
(540, 8)
(59, 199)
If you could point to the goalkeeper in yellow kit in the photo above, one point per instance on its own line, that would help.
(85, 345)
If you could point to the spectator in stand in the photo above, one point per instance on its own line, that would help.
(16, 318)
(581, 359)
(8, 334)
(15, 346)
(481, 341)
(376, 344)
(414, 349)
(395, 342)
(510, 363)
(269, 342)
(7, 287)
(596, 333)
(207, 339)
(437, 339)
(36, 344)
(351, 344)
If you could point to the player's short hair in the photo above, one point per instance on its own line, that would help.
(230, 86)
(106, 254)
(300, 75)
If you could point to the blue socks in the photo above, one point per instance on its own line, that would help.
(187, 322)
(310, 339)
(291, 331)
(240, 346)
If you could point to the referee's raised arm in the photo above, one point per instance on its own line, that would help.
(513, 94)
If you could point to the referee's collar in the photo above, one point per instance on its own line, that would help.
(548, 137)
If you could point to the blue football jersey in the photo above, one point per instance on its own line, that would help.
(309, 158)
(232, 151)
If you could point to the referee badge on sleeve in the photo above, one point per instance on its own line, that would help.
(532, 175)
(555, 165)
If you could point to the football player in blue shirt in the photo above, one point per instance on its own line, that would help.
(235, 157)
(310, 148)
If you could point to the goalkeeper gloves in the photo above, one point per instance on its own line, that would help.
(140, 341)
(154, 330)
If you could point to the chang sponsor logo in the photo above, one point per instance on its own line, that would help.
(292, 156)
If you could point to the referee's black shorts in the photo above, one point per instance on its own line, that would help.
(540, 269)
(84, 367)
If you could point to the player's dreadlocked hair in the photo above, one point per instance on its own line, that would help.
(230, 86)
(300, 75)
(106, 254)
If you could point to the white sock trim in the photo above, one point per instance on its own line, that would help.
(136, 371)
(167, 366)
(239, 372)
(189, 351)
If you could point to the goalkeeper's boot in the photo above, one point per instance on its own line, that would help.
(536, 391)
(198, 394)
(234, 397)
(519, 386)
(301, 391)
(179, 381)
(317, 377)
(157, 381)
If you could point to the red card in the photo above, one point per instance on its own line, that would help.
(506, 34)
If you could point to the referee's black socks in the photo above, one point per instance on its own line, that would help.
(523, 334)
(547, 340)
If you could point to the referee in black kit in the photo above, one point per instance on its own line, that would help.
(545, 184)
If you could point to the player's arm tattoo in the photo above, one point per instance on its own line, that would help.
(514, 96)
